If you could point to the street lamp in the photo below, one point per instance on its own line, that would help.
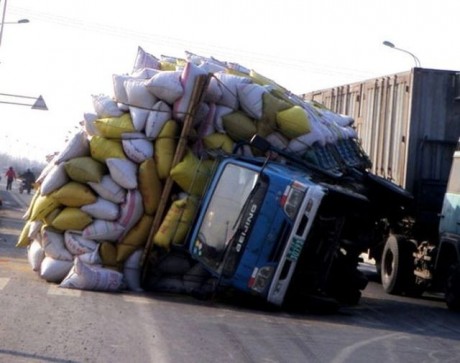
(2, 23)
(391, 45)
(20, 21)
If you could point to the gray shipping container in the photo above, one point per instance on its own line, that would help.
(409, 124)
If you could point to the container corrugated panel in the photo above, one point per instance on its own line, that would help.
(407, 122)
(380, 108)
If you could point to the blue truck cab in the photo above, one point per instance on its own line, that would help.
(268, 229)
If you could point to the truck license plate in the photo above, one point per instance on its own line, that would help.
(295, 249)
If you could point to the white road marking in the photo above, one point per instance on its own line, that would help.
(56, 290)
(3, 282)
(137, 299)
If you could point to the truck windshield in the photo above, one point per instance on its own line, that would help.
(223, 213)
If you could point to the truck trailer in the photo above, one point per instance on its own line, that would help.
(409, 124)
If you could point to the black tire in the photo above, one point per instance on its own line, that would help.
(397, 267)
(453, 288)
(345, 281)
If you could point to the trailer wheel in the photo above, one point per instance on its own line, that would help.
(453, 288)
(397, 266)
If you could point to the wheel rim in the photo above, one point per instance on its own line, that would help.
(388, 264)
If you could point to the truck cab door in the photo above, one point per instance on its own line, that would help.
(450, 214)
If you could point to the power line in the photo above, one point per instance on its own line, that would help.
(287, 62)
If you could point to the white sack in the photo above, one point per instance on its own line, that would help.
(89, 120)
(166, 86)
(53, 270)
(138, 95)
(139, 117)
(160, 113)
(77, 146)
(56, 178)
(188, 79)
(119, 90)
(91, 258)
(278, 140)
(213, 91)
(102, 209)
(103, 230)
(138, 150)
(250, 96)
(92, 277)
(131, 210)
(108, 189)
(77, 244)
(145, 60)
(54, 246)
(219, 113)
(228, 84)
(35, 254)
(105, 107)
(123, 172)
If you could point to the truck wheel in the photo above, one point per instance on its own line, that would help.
(397, 266)
(453, 289)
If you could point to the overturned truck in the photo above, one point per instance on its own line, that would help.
(201, 176)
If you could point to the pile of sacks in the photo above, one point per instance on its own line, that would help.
(91, 217)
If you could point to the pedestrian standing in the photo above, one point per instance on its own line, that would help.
(10, 176)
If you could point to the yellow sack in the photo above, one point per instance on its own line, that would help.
(192, 174)
(263, 128)
(150, 186)
(108, 253)
(218, 141)
(43, 206)
(85, 169)
(262, 80)
(293, 122)
(114, 127)
(28, 213)
(74, 194)
(23, 240)
(239, 126)
(102, 149)
(71, 218)
(176, 223)
(134, 239)
(167, 66)
(271, 106)
(49, 218)
(165, 148)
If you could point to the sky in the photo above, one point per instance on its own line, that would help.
(70, 49)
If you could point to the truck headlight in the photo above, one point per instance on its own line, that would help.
(292, 199)
(261, 278)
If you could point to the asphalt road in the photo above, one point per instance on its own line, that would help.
(40, 322)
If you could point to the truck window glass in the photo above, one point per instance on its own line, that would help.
(221, 217)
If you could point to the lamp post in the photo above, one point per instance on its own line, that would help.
(3, 22)
(391, 45)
